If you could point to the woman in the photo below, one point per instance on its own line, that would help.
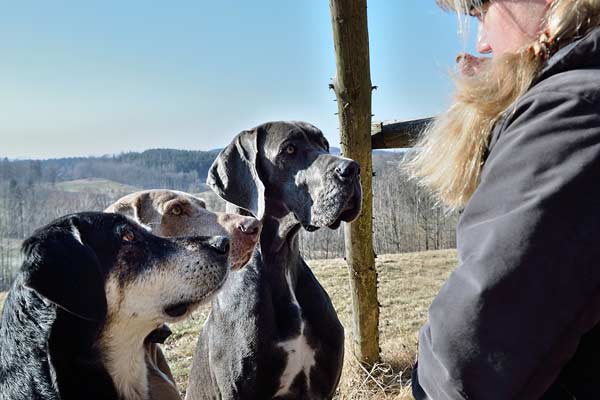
(519, 151)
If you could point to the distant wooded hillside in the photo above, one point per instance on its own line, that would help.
(178, 169)
(34, 192)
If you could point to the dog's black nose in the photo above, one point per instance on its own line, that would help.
(347, 169)
(249, 226)
(219, 243)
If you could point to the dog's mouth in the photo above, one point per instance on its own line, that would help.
(351, 208)
(332, 205)
(177, 311)
(348, 214)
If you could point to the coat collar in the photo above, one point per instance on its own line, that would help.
(583, 52)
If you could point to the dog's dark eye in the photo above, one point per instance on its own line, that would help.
(290, 149)
(128, 236)
(176, 210)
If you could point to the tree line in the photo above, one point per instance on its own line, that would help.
(405, 217)
(33, 193)
(184, 170)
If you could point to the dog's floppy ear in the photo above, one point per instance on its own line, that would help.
(200, 202)
(66, 272)
(135, 207)
(234, 174)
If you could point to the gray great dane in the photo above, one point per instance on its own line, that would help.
(272, 331)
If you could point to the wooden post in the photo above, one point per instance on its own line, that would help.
(353, 88)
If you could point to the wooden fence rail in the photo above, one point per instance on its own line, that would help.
(397, 134)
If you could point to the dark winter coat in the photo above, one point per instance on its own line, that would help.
(519, 318)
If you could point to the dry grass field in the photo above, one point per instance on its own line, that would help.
(95, 185)
(407, 284)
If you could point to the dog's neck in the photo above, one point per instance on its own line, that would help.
(122, 344)
(279, 237)
(278, 241)
(280, 252)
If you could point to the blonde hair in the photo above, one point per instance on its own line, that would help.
(451, 151)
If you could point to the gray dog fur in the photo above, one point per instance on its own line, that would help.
(272, 331)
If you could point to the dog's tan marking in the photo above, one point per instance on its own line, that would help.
(137, 307)
(122, 344)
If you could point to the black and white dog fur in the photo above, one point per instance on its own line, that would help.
(91, 289)
(272, 331)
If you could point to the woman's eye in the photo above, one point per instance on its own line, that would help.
(290, 149)
(128, 236)
(176, 210)
(479, 11)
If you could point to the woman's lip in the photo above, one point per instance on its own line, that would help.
(484, 48)
(470, 65)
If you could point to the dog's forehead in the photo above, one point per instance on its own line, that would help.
(162, 197)
(280, 132)
(182, 198)
(85, 227)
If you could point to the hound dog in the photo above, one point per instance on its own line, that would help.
(272, 331)
(171, 213)
(91, 289)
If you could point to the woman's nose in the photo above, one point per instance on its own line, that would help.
(483, 46)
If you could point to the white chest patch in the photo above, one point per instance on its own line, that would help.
(300, 356)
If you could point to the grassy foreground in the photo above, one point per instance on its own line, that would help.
(407, 285)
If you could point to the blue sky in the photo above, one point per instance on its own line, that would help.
(92, 78)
